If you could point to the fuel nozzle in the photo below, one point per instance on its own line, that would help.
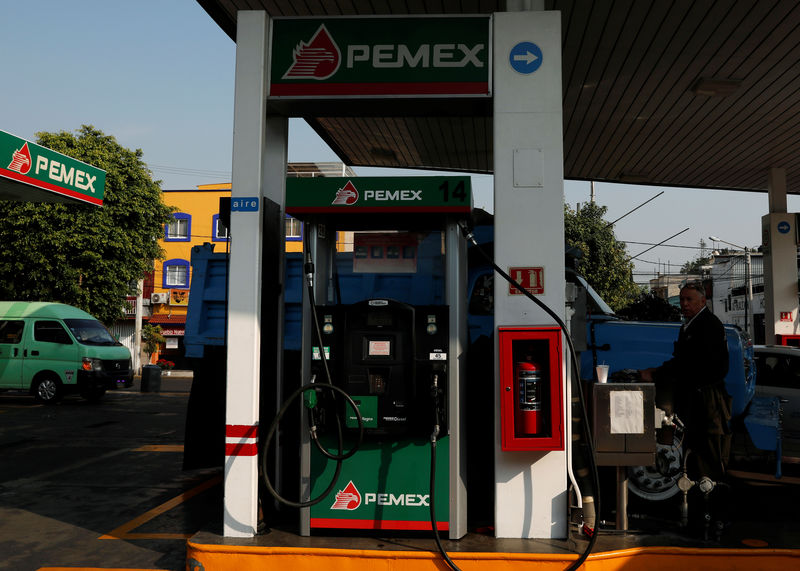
(310, 396)
(308, 269)
(467, 232)
(435, 391)
(435, 394)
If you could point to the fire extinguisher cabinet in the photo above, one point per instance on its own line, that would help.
(531, 406)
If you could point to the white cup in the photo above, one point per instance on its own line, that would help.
(602, 373)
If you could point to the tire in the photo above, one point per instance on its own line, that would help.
(659, 482)
(47, 389)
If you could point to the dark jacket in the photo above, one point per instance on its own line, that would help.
(701, 352)
(695, 376)
(694, 380)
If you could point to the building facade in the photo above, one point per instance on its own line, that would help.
(198, 218)
(730, 301)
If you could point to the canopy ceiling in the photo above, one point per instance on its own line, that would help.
(700, 93)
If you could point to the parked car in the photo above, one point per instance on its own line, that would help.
(50, 349)
(778, 375)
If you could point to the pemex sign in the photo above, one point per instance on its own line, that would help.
(381, 57)
(32, 164)
(388, 195)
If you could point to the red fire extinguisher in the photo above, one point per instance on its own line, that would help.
(528, 414)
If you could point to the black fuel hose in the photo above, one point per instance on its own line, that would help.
(341, 456)
(339, 459)
(469, 236)
(434, 523)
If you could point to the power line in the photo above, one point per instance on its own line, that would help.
(663, 245)
(635, 209)
(190, 172)
(656, 245)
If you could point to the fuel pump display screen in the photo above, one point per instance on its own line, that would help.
(378, 348)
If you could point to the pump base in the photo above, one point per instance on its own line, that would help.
(282, 550)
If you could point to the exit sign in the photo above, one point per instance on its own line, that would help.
(530, 278)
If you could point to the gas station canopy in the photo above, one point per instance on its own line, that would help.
(698, 94)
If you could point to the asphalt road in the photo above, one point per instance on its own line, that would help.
(101, 485)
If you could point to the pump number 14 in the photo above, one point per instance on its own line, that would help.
(457, 193)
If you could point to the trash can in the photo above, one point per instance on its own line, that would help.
(151, 379)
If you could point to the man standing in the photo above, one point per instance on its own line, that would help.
(694, 380)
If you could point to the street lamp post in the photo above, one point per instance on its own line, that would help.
(748, 300)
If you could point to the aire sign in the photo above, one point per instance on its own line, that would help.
(29, 163)
(383, 56)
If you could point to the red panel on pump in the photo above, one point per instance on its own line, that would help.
(531, 405)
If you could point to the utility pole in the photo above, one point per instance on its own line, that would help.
(137, 332)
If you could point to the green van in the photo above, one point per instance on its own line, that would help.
(51, 349)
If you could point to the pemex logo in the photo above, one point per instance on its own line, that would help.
(347, 195)
(317, 59)
(347, 499)
(21, 160)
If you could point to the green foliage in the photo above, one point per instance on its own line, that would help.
(84, 255)
(605, 263)
(650, 307)
(151, 338)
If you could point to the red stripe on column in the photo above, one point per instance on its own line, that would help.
(241, 430)
(241, 449)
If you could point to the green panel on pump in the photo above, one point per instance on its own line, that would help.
(385, 486)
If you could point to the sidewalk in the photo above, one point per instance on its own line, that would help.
(177, 381)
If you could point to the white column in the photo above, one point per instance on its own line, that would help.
(530, 488)
(244, 301)
(779, 235)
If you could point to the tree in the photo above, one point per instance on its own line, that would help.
(84, 255)
(650, 307)
(605, 263)
(151, 338)
(695, 266)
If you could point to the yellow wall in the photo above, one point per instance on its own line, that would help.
(291, 246)
(201, 204)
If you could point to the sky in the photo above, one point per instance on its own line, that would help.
(158, 75)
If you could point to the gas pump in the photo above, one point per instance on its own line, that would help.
(389, 272)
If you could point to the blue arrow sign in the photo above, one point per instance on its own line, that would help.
(525, 57)
(784, 227)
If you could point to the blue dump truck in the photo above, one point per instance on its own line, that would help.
(623, 345)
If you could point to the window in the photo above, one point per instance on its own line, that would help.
(180, 229)
(294, 229)
(219, 230)
(90, 332)
(176, 273)
(11, 330)
(777, 370)
(50, 332)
